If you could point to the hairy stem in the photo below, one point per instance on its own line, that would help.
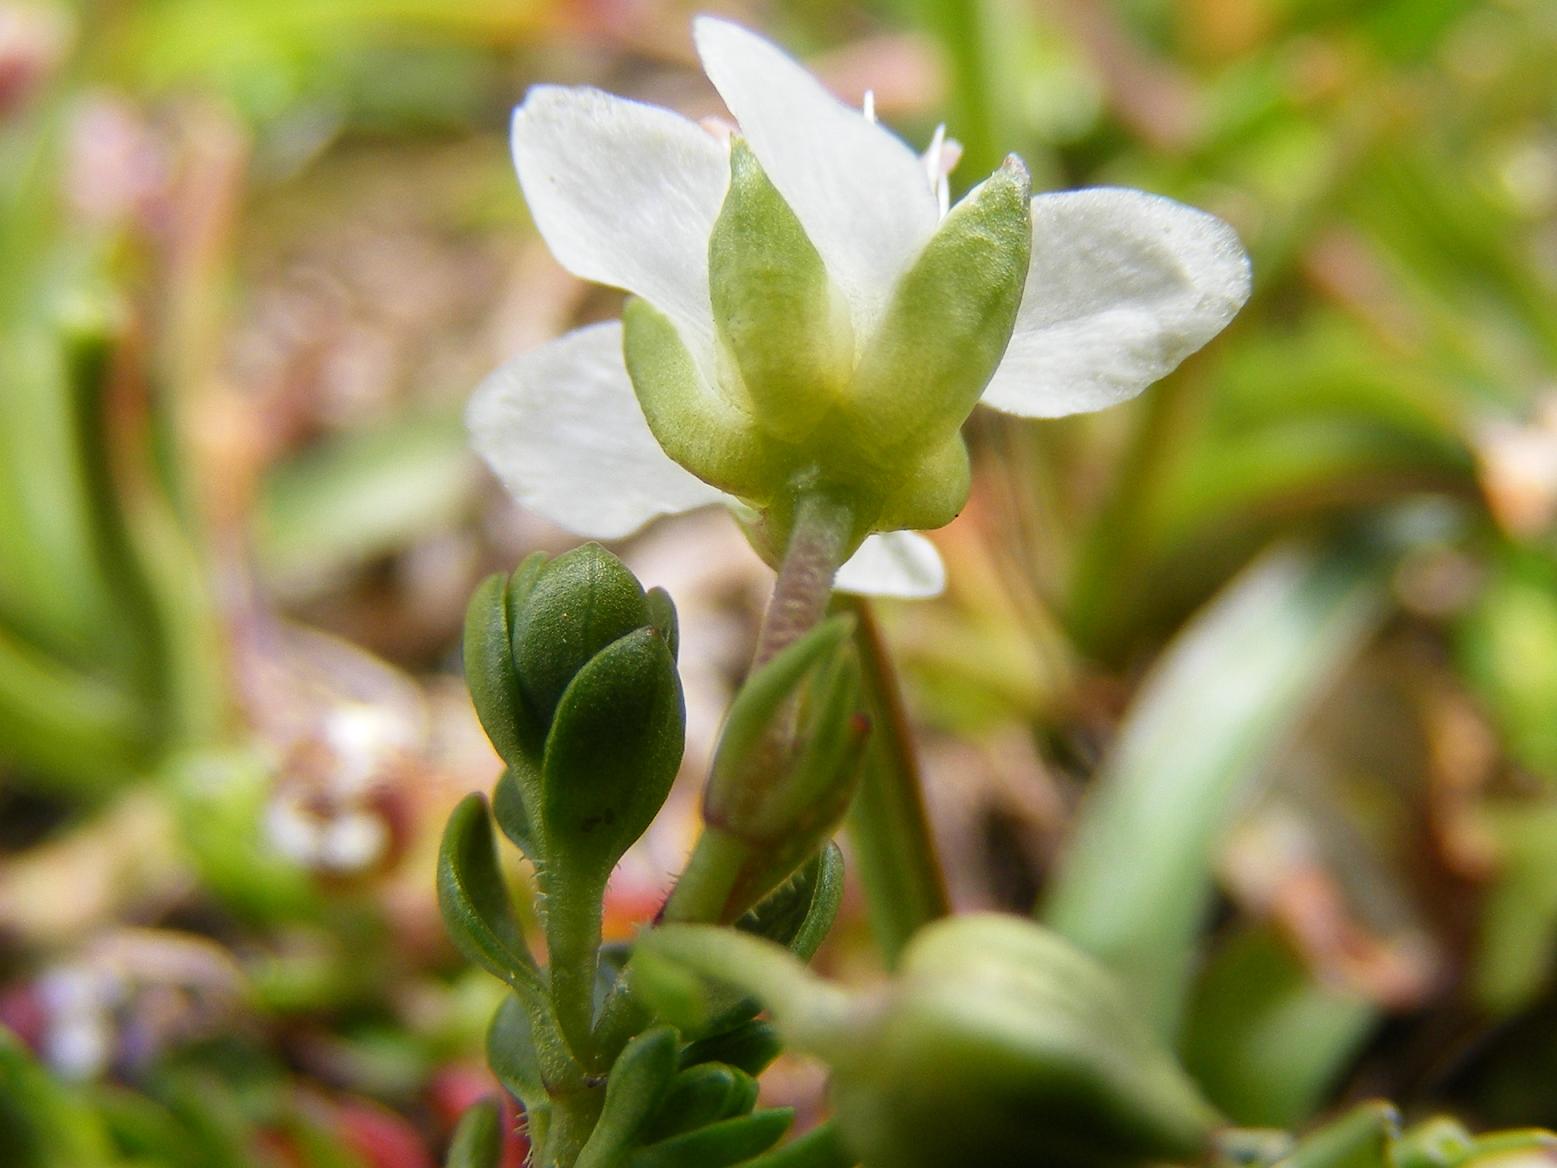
(817, 543)
(573, 920)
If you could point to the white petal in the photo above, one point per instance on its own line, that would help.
(561, 428)
(898, 563)
(624, 194)
(858, 190)
(1123, 286)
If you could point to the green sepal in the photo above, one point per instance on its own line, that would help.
(478, 1138)
(513, 1055)
(948, 324)
(474, 901)
(785, 326)
(575, 606)
(933, 492)
(698, 1096)
(751, 1046)
(718, 1145)
(613, 751)
(695, 424)
(638, 1081)
(1359, 1139)
(513, 816)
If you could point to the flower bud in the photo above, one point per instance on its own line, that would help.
(571, 609)
(788, 759)
(572, 671)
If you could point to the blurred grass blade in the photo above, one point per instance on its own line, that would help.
(1134, 887)
(1263, 1039)
(41, 1124)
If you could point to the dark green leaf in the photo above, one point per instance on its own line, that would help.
(478, 1140)
(698, 1096)
(475, 902)
(1359, 1139)
(637, 1084)
(719, 1145)
(751, 1046)
(613, 751)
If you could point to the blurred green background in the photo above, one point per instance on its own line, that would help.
(1250, 685)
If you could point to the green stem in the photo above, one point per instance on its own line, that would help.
(704, 888)
(572, 1121)
(890, 832)
(573, 920)
(821, 528)
(818, 541)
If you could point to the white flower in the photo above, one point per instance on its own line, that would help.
(1121, 287)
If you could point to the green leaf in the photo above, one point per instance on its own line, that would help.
(363, 495)
(639, 1079)
(512, 1053)
(1518, 926)
(821, 1147)
(1359, 1139)
(719, 1145)
(799, 913)
(1440, 1142)
(478, 1139)
(1263, 1038)
(1136, 883)
(698, 1096)
(612, 754)
(1508, 650)
(489, 671)
(474, 901)
(513, 816)
(41, 1124)
(1029, 1042)
(662, 615)
(751, 1046)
